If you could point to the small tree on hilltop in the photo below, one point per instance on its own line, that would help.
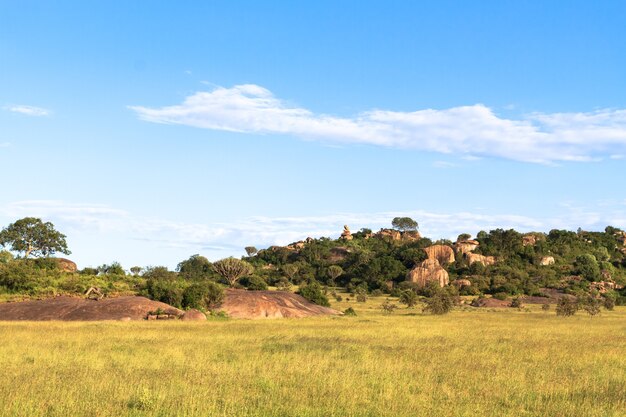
(33, 237)
(232, 269)
(404, 224)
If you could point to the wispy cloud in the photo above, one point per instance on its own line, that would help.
(28, 110)
(231, 238)
(466, 130)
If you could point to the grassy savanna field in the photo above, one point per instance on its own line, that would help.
(467, 363)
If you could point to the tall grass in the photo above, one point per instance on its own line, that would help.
(468, 363)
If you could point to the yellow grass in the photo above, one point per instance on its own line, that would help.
(468, 363)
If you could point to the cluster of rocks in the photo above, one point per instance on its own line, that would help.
(396, 235)
(432, 269)
(428, 271)
(346, 234)
(605, 286)
(546, 261)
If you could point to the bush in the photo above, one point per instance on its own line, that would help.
(500, 296)
(349, 312)
(203, 296)
(377, 293)
(609, 303)
(388, 307)
(566, 307)
(592, 305)
(517, 302)
(409, 298)
(545, 307)
(314, 293)
(440, 303)
(164, 291)
(254, 283)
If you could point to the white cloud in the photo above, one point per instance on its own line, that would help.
(467, 130)
(28, 110)
(222, 239)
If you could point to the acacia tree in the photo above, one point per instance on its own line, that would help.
(232, 269)
(33, 237)
(404, 224)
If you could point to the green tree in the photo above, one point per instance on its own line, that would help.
(136, 270)
(195, 268)
(587, 267)
(204, 296)
(114, 268)
(334, 272)
(566, 307)
(33, 237)
(251, 250)
(440, 303)
(314, 293)
(404, 224)
(408, 297)
(232, 269)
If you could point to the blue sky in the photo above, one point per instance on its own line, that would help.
(151, 131)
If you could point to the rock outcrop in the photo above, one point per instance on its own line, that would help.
(428, 271)
(460, 283)
(604, 286)
(410, 236)
(442, 253)
(396, 235)
(475, 257)
(389, 234)
(193, 315)
(546, 260)
(466, 246)
(531, 239)
(270, 304)
(80, 309)
(65, 265)
(346, 235)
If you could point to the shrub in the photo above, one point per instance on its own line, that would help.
(500, 296)
(377, 293)
(439, 303)
(203, 296)
(409, 298)
(517, 302)
(609, 303)
(165, 290)
(566, 307)
(283, 284)
(545, 307)
(254, 283)
(592, 305)
(349, 312)
(314, 293)
(388, 307)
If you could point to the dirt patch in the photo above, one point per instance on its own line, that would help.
(80, 309)
(270, 304)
